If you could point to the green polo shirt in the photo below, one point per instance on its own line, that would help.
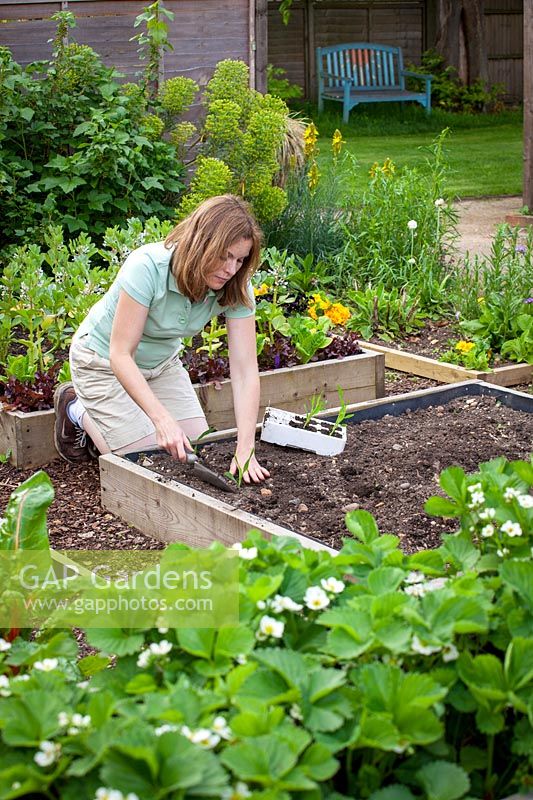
(145, 276)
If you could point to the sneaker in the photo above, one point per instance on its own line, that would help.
(70, 440)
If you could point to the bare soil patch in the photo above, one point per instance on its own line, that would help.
(389, 467)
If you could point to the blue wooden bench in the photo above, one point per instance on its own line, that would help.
(366, 73)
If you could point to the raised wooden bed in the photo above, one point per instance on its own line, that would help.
(450, 373)
(30, 437)
(520, 220)
(361, 377)
(170, 511)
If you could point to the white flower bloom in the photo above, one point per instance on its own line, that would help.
(4, 686)
(450, 653)
(144, 659)
(416, 590)
(512, 528)
(435, 583)
(423, 649)
(296, 712)
(510, 494)
(162, 631)
(474, 487)
(16, 785)
(281, 603)
(414, 577)
(205, 738)
(238, 792)
(47, 754)
(487, 514)
(315, 598)
(63, 719)
(161, 648)
(241, 659)
(4, 645)
(477, 499)
(111, 794)
(21, 678)
(332, 585)
(221, 727)
(73, 731)
(439, 202)
(412, 224)
(81, 720)
(268, 626)
(261, 605)
(247, 553)
(83, 684)
(186, 731)
(503, 552)
(165, 728)
(525, 500)
(47, 664)
(487, 531)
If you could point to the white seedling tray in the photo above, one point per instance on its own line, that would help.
(285, 428)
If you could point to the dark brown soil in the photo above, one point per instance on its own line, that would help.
(389, 467)
(77, 520)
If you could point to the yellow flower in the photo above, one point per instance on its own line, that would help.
(311, 310)
(263, 289)
(338, 313)
(310, 139)
(464, 347)
(337, 143)
(374, 169)
(312, 177)
(481, 300)
(389, 167)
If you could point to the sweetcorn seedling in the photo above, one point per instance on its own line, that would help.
(342, 413)
(241, 471)
(316, 405)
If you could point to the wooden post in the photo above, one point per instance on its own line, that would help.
(528, 104)
(261, 45)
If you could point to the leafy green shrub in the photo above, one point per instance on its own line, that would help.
(76, 148)
(368, 674)
(279, 86)
(451, 94)
(242, 134)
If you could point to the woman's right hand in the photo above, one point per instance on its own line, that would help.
(171, 437)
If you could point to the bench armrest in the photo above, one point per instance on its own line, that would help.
(422, 75)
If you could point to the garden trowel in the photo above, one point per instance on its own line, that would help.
(207, 475)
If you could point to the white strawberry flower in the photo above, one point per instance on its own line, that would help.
(414, 577)
(315, 598)
(477, 499)
(63, 719)
(487, 531)
(450, 653)
(165, 728)
(241, 659)
(502, 552)
(47, 664)
(423, 649)
(246, 553)
(268, 626)
(4, 686)
(161, 648)
(525, 500)
(205, 738)
(487, 514)
(47, 754)
(4, 645)
(221, 728)
(332, 585)
(474, 487)
(415, 589)
(510, 494)
(281, 603)
(144, 659)
(512, 528)
(237, 792)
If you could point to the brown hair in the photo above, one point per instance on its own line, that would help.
(204, 237)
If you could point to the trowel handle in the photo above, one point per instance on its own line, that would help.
(190, 458)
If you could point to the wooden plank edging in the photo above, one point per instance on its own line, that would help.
(450, 373)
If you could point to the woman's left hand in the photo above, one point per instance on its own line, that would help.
(254, 471)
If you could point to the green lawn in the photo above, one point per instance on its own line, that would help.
(483, 160)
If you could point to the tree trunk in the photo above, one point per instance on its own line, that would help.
(462, 21)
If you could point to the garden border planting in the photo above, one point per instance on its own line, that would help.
(30, 436)
(170, 511)
(425, 367)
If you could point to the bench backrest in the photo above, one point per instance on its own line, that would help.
(369, 66)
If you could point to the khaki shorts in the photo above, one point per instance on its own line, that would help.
(118, 418)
